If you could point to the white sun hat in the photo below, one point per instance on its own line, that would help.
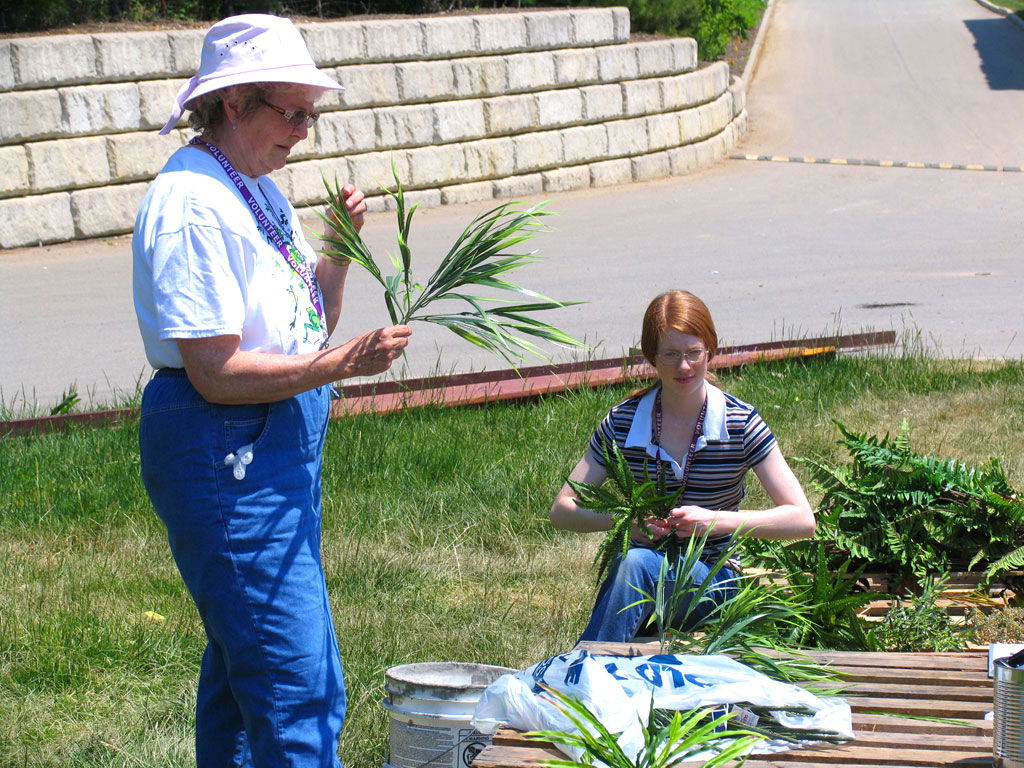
(251, 48)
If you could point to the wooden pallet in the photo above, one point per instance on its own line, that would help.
(882, 686)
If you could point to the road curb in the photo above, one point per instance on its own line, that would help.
(750, 67)
(1002, 12)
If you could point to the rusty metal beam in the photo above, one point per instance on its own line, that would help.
(496, 386)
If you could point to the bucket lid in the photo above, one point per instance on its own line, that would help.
(443, 679)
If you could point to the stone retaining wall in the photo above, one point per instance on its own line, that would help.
(465, 108)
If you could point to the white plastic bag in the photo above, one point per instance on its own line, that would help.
(621, 691)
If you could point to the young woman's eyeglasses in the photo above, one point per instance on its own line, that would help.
(673, 356)
(296, 117)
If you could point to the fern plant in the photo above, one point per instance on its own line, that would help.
(912, 515)
(627, 501)
(479, 258)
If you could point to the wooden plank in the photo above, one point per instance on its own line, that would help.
(498, 756)
(912, 692)
(864, 674)
(961, 710)
(864, 723)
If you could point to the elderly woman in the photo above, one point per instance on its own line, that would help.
(699, 440)
(235, 310)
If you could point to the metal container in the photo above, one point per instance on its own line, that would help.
(1008, 700)
(430, 706)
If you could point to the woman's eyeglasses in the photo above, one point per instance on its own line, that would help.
(673, 356)
(296, 117)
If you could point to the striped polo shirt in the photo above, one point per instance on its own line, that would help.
(734, 439)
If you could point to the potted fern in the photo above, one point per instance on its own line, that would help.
(480, 258)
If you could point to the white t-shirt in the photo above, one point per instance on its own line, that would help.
(203, 267)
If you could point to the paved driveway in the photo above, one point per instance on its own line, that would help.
(776, 249)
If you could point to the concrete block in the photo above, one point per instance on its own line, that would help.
(489, 158)
(14, 177)
(584, 143)
(106, 210)
(626, 137)
(472, 192)
(393, 39)
(378, 203)
(36, 219)
(575, 66)
(738, 90)
(674, 93)
(133, 55)
(69, 163)
(653, 166)
(682, 160)
(333, 43)
(101, 108)
(566, 179)
(345, 133)
(497, 33)
(620, 18)
(602, 102)
(425, 198)
(7, 79)
(642, 97)
(684, 50)
(372, 170)
(506, 115)
(156, 97)
(689, 126)
(368, 85)
(307, 179)
(530, 71)
(137, 156)
(479, 77)
(445, 38)
(662, 131)
(436, 166)
(425, 81)
(49, 61)
(459, 120)
(593, 26)
(186, 46)
(655, 57)
(282, 177)
(518, 187)
(537, 151)
(564, 107)
(549, 29)
(610, 172)
(411, 126)
(617, 62)
(27, 116)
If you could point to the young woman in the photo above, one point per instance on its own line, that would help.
(701, 440)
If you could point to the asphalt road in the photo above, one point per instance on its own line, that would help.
(776, 249)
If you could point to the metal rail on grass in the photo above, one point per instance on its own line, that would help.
(494, 386)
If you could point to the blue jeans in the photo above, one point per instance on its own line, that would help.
(271, 691)
(612, 621)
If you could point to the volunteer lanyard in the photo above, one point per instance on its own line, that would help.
(698, 430)
(302, 269)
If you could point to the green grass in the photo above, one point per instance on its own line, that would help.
(436, 547)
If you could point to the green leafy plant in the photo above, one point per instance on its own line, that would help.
(912, 515)
(669, 739)
(920, 624)
(830, 590)
(743, 617)
(627, 501)
(479, 258)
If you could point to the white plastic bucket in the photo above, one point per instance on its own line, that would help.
(430, 705)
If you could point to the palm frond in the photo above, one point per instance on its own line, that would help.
(480, 254)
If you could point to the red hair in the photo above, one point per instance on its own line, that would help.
(681, 311)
